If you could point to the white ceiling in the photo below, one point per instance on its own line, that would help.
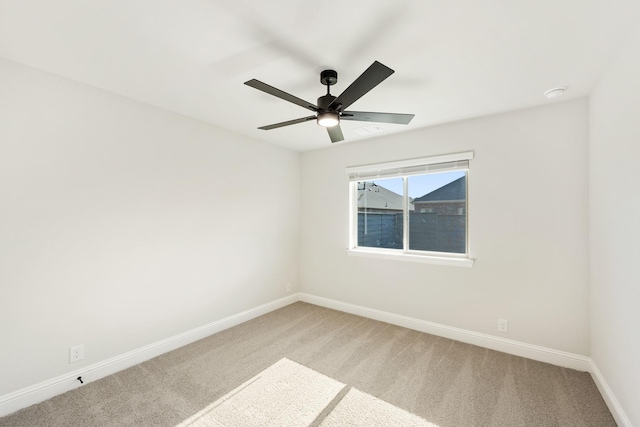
(453, 59)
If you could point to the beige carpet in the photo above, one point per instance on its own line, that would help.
(307, 365)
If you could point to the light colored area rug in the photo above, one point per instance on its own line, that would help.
(288, 394)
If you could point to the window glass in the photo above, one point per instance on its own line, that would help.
(437, 215)
(380, 213)
(436, 212)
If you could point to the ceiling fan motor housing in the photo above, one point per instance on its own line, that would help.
(324, 102)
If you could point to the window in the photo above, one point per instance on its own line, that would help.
(413, 209)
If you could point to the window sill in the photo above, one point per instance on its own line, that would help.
(403, 256)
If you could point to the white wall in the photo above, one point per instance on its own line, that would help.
(614, 208)
(122, 224)
(528, 229)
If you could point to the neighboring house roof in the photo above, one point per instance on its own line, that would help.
(374, 196)
(455, 190)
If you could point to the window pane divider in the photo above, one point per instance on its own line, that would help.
(405, 213)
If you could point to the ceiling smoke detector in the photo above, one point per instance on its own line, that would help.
(556, 92)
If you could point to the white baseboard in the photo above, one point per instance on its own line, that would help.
(28, 396)
(609, 398)
(530, 351)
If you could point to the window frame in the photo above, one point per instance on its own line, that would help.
(398, 169)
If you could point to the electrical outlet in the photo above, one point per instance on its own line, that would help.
(76, 353)
(288, 287)
(503, 325)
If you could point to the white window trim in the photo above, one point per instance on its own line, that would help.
(400, 255)
(437, 258)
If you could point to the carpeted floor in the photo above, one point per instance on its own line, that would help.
(379, 368)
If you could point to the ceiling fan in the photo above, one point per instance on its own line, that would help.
(330, 109)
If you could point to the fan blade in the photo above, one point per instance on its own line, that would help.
(290, 122)
(257, 84)
(366, 116)
(335, 133)
(372, 77)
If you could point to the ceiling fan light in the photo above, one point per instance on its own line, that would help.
(328, 119)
